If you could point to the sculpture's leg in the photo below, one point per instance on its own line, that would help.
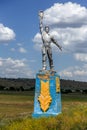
(49, 53)
(44, 58)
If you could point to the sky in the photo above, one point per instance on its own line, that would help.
(20, 39)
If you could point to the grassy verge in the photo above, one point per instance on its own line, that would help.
(16, 110)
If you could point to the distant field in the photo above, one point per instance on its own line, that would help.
(14, 104)
(17, 107)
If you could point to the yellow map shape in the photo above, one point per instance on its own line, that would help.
(45, 98)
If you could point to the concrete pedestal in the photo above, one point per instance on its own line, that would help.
(47, 101)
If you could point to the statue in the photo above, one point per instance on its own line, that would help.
(46, 48)
(47, 101)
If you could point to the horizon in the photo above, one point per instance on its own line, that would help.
(35, 78)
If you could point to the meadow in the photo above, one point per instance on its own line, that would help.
(16, 110)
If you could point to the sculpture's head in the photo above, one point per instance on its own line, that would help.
(47, 29)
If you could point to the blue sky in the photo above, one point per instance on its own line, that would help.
(20, 42)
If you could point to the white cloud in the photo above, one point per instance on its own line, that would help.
(67, 13)
(1, 63)
(13, 49)
(19, 44)
(81, 57)
(38, 42)
(14, 68)
(22, 50)
(75, 73)
(80, 73)
(6, 34)
(68, 24)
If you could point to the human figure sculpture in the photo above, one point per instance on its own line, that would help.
(46, 48)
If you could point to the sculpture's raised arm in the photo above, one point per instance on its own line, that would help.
(41, 21)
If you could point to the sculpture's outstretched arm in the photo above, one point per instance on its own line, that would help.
(55, 42)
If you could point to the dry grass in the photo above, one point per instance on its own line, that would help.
(16, 110)
(13, 104)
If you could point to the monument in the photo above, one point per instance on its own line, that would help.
(47, 101)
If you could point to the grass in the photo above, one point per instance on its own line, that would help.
(15, 104)
(76, 97)
(16, 109)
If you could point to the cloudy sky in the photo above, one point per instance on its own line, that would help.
(20, 40)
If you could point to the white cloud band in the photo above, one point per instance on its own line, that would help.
(81, 57)
(75, 73)
(11, 68)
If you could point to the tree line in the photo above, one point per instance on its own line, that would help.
(23, 84)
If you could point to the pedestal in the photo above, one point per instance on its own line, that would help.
(47, 101)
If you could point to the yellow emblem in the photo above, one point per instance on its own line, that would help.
(57, 84)
(45, 98)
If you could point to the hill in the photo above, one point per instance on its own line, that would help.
(22, 84)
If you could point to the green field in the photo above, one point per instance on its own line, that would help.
(16, 109)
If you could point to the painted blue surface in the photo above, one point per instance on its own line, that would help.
(55, 106)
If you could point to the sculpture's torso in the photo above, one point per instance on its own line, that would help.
(46, 39)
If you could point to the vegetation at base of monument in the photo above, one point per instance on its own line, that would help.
(16, 109)
(74, 117)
